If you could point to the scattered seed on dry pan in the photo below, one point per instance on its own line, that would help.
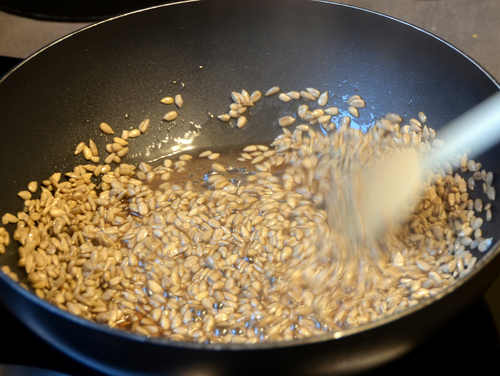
(271, 91)
(133, 133)
(293, 94)
(284, 97)
(87, 153)
(213, 156)
(345, 121)
(302, 110)
(218, 167)
(110, 158)
(33, 186)
(323, 99)
(353, 111)
(332, 111)
(286, 121)
(79, 148)
(307, 95)
(178, 100)
(224, 117)
(167, 100)
(9, 218)
(185, 157)
(170, 116)
(106, 128)
(144, 126)
(241, 122)
(255, 96)
(422, 117)
(93, 148)
(25, 195)
(204, 154)
(324, 119)
(236, 97)
(245, 98)
(122, 152)
(314, 92)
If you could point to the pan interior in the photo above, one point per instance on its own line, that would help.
(117, 71)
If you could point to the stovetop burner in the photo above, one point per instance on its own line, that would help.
(468, 341)
(74, 11)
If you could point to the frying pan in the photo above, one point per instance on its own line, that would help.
(117, 70)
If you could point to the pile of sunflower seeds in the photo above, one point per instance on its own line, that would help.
(245, 253)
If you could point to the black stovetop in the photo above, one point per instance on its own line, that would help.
(468, 341)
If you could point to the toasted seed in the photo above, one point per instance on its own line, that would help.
(9, 218)
(323, 99)
(213, 156)
(25, 195)
(485, 245)
(79, 148)
(218, 167)
(224, 117)
(353, 111)
(93, 148)
(307, 95)
(284, 98)
(272, 91)
(490, 192)
(293, 95)
(236, 97)
(324, 119)
(422, 117)
(134, 133)
(245, 98)
(110, 158)
(106, 128)
(185, 157)
(332, 111)
(255, 96)
(204, 154)
(314, 92)
(87, 153)
(122, 152)
(179, 101)
(241, 122)
(144, 125)
(302, 110)
(167, 100)
(171, 115)
(286, 121)
(32, 186)
(120, 141)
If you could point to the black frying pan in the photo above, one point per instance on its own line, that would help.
(117, 70)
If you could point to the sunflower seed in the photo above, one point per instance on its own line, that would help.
(144, 125)
(272, 91)
(106, 128)
(171, 115)
(241, 122)
(224, 117)
(286, 121)
(284, 98)
(167, 100)
(255, 96)
(323, 99)
(178, 100)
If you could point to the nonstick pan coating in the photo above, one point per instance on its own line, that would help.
(117, 71)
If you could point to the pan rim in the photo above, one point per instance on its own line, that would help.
(491, 254)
